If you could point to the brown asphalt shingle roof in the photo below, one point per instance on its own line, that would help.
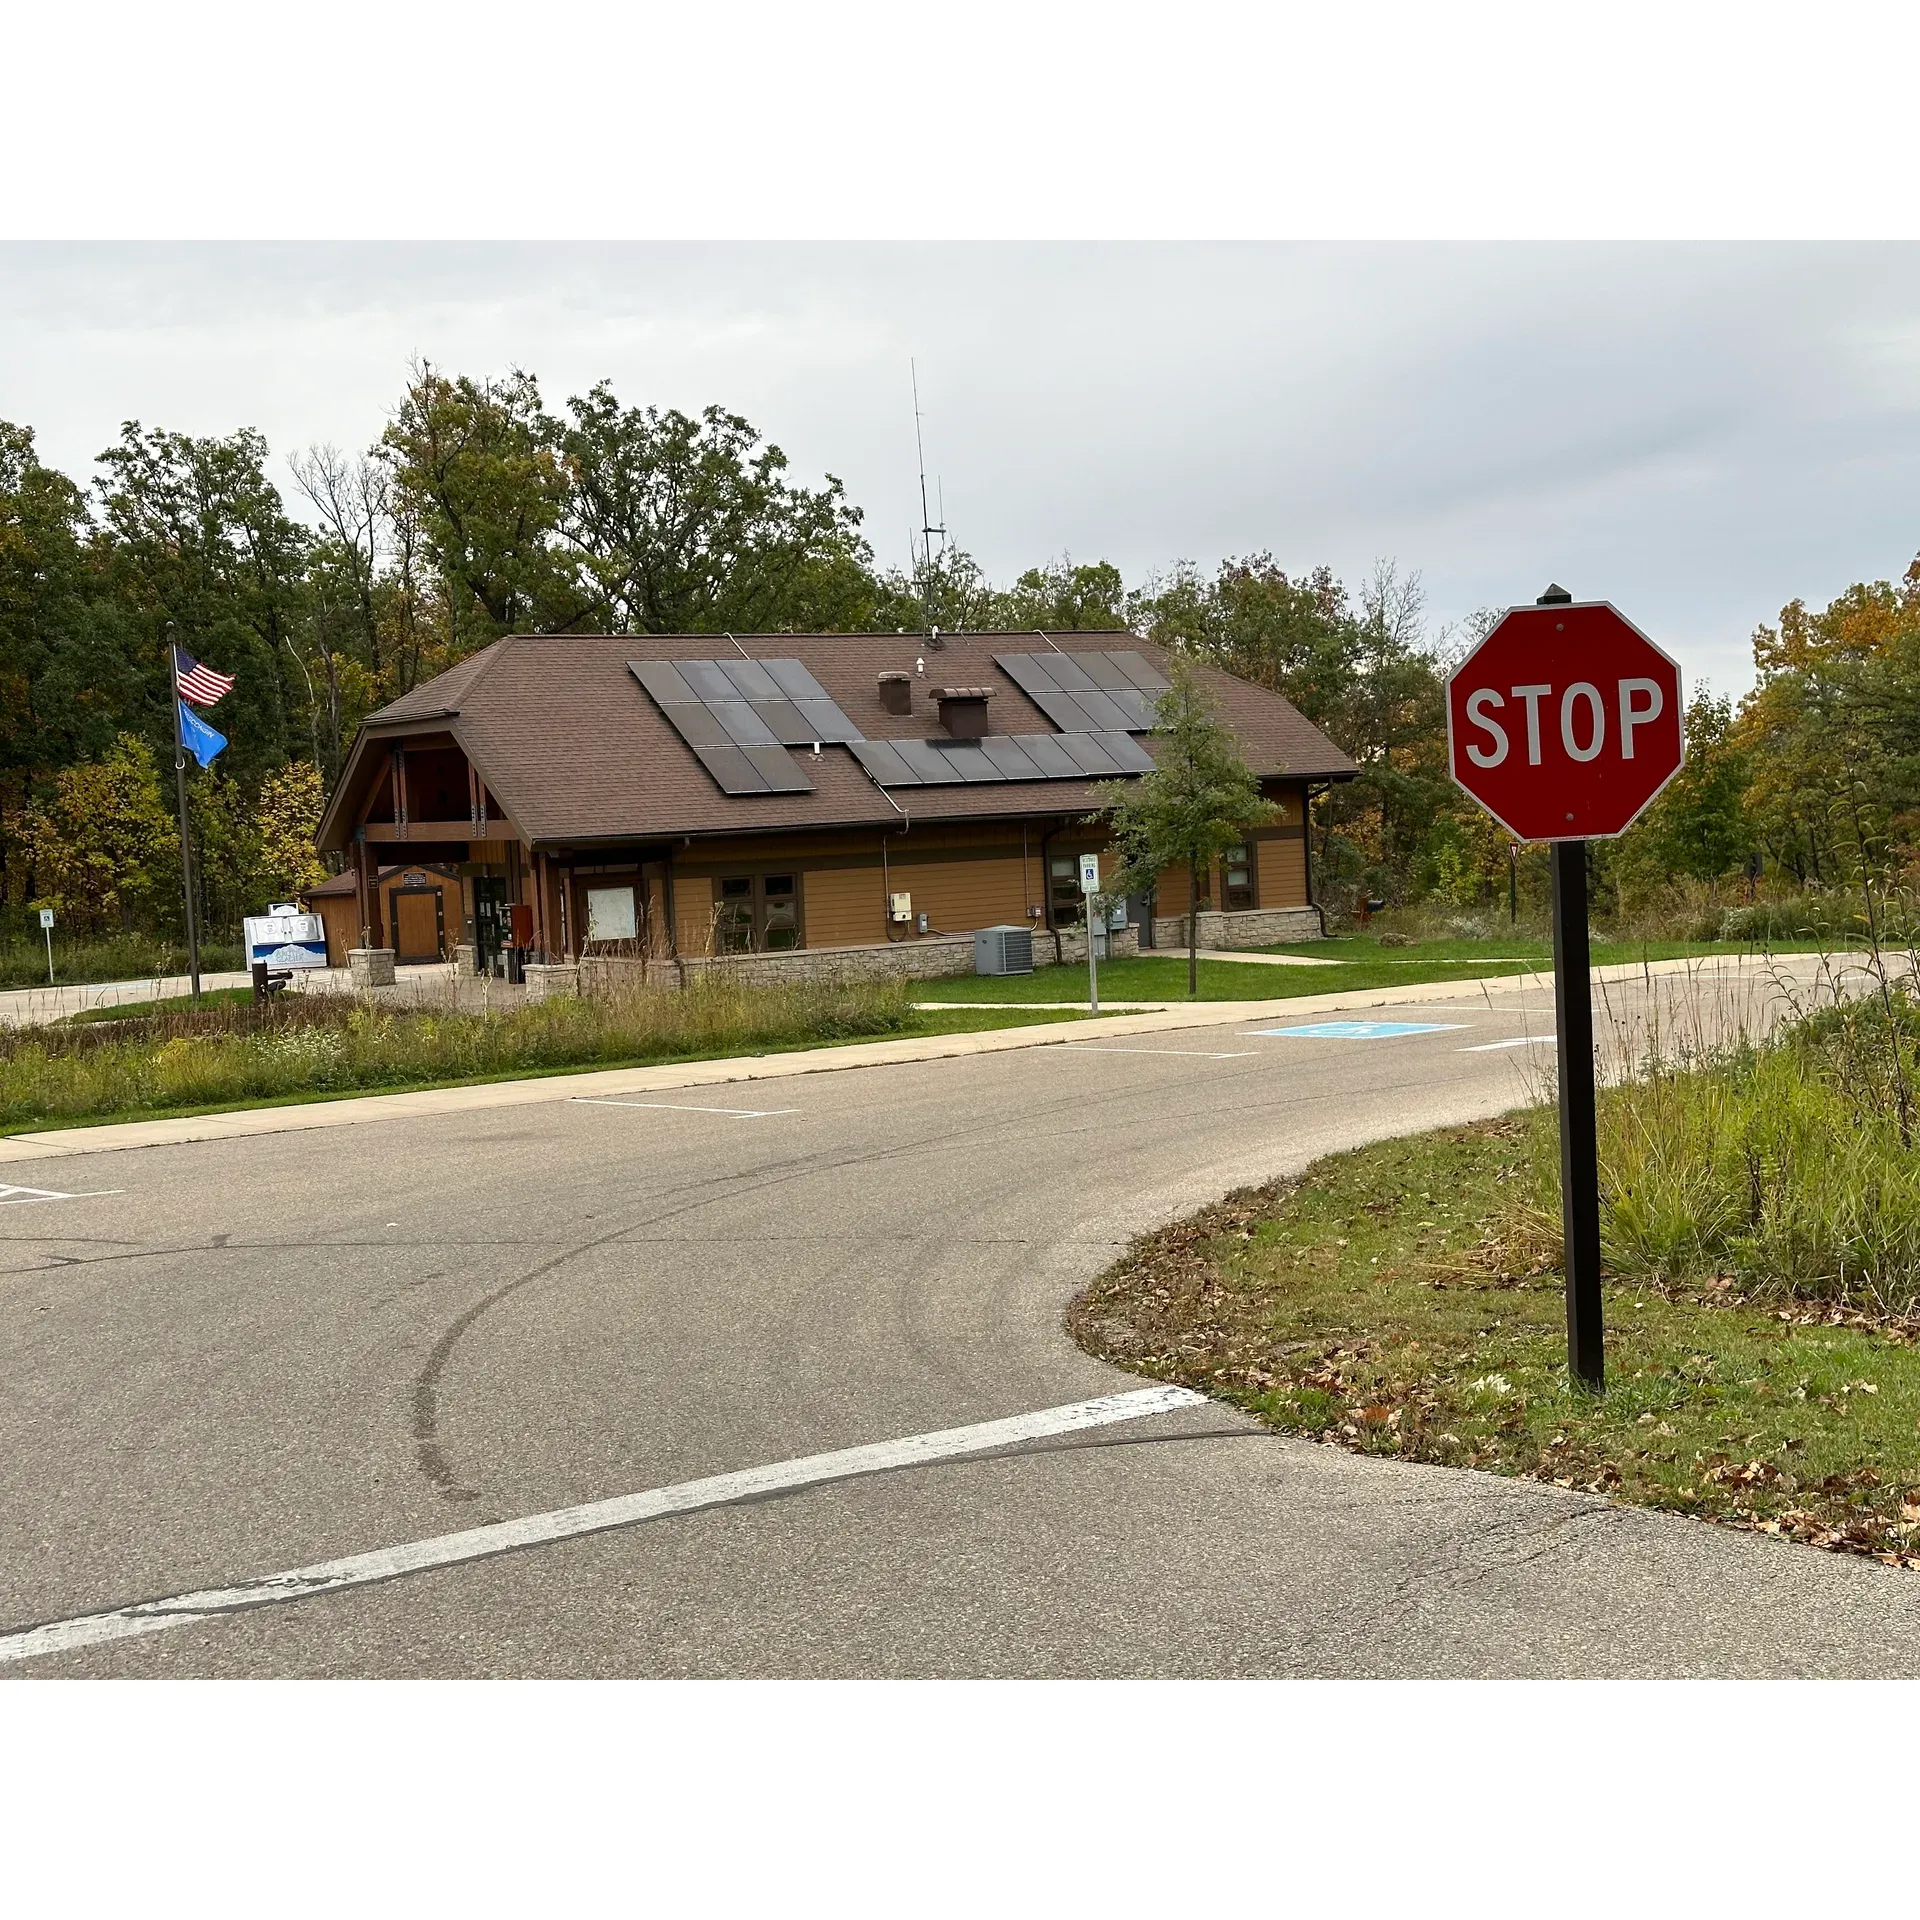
(574, 749)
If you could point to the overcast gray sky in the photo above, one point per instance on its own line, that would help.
(1696, 432)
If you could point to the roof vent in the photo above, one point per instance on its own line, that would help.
(963, 710)
(896, 692)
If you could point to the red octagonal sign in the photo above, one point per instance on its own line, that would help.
(1565, 721)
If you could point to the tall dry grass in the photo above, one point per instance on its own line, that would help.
(303, 1044)
(1764, 1137)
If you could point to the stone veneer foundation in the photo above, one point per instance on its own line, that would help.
(936, 957)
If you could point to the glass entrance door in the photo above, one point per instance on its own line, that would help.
(491, 931)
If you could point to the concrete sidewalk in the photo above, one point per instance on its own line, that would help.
(37, 1006)
(359, 1110)
(1249, 959)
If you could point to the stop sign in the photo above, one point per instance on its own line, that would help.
(1565, 721)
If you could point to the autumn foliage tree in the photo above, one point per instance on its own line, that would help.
(101, 846)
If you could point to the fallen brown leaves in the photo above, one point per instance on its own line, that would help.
(1184, 1304)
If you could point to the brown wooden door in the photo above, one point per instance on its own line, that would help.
(417, 925)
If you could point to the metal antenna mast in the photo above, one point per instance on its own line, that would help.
(927, 528)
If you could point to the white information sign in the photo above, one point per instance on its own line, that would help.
(1089, 873)
(46, 919)
(286, 941)
(610, 914)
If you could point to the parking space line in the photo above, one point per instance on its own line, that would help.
(1525, 1040)
(1186, 1053)
(570, 1523)
(26, 1196)
(1356, 1030)
(670, 1106)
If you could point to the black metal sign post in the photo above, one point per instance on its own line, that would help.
(1579, 1136)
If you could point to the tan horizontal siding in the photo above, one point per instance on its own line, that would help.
(841, 907)
(1281, 873)
(693, 913)
(958, 896)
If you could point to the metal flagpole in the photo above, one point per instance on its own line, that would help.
(186, 838)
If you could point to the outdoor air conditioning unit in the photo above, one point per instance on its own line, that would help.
(1003, 950)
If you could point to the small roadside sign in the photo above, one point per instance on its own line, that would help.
(1089, 886)
(46, 919)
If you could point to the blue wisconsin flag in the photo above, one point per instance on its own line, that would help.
(200, 740)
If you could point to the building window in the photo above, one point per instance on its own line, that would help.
(1066, 902)
(1237, 879)
(757, 913)
(779, 912)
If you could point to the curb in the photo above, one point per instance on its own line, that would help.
(365, 1109)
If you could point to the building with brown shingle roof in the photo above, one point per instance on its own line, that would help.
(682, 796)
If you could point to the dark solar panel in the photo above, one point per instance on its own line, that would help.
(1053, 760)
(1090, 692)
(1001, 757)
(739, 716)
(1090, 710)
(1141, 671)
(882, 760)
(753, 769)
(751, 678)
(745, 728)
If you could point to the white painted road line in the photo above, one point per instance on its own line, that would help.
(1188, 1053)
(1494, 1046)
(1355, 1030)
(569, 1523)
(26, 1196)
(673, 1106)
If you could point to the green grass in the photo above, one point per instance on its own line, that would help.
(120, 956)
(1366, 949)
(1162, 978)
(160, 1009)
(1363, 965)
(918, 1025)
(1378, 1304)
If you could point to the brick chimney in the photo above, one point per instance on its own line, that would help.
(896, 692)
(963, 710)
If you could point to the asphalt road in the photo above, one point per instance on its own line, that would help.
(227, 1359)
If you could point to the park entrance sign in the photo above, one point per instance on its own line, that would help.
(1564, 723)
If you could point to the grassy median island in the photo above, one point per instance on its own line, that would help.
(230, 1054)
(1761, 1363)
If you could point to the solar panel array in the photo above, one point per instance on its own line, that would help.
(739, 716)
(1000, 757)
(1090, 692)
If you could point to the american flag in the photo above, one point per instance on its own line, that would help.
(198, 683)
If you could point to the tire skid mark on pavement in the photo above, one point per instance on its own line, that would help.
(599, 1516)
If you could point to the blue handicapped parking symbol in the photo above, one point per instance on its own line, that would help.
(1359, 1029)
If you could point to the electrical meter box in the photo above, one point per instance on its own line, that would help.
(899, 906)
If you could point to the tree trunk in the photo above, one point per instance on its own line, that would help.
(1193, 929)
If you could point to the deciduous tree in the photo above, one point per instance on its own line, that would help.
(102, 844)
(1200, 799)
